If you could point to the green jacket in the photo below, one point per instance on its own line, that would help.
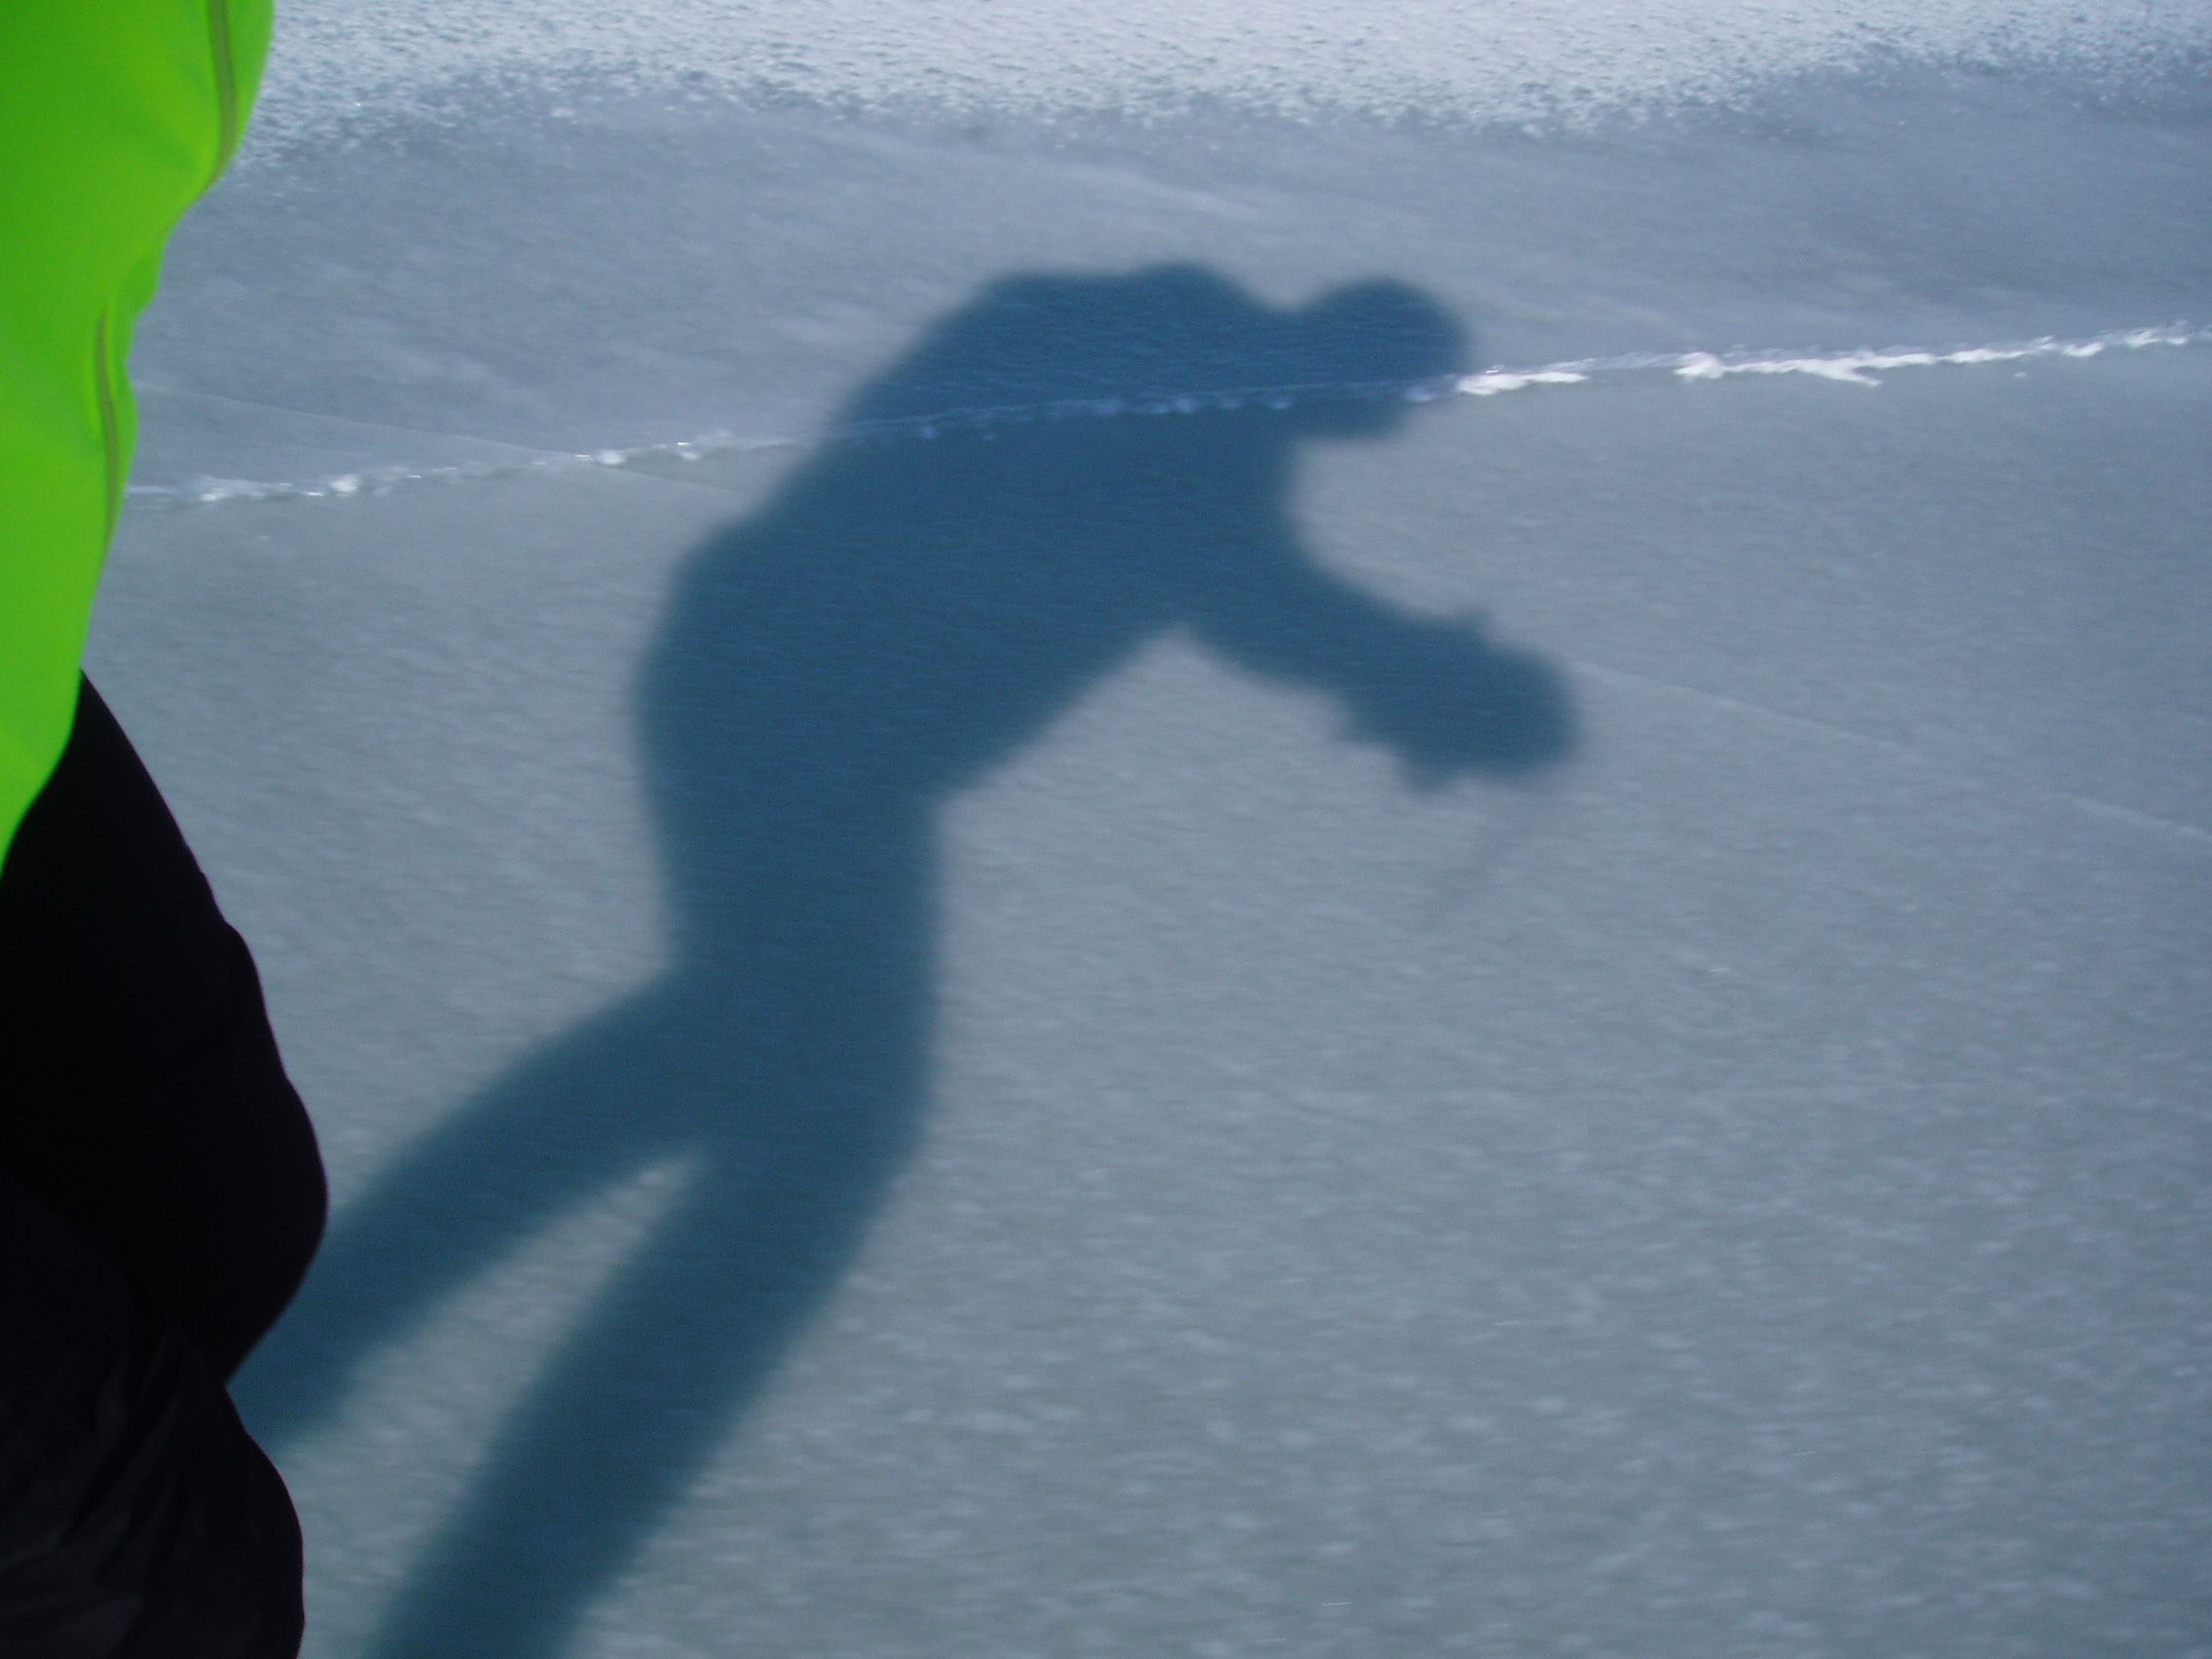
(115, 115)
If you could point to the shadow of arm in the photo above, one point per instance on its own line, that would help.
(1434, 690)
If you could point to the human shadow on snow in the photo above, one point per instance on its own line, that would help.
(920, 600)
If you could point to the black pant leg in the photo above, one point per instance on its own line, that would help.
(146, 1103)
(137, 1519)
(160, 1198)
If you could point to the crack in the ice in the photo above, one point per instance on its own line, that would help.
(159, 389)
(1857, 368)
(2149, 821)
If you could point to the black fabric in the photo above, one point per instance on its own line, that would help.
(161, 1196)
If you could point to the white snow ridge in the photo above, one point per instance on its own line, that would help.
(1855, 368)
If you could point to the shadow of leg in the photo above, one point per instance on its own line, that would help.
(678, 1347)
(563, 1125)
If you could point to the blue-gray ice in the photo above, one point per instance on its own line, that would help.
(1263, 836)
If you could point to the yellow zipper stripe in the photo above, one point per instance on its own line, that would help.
(111, 428)
(225, 82)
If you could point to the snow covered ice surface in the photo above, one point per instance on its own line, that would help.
(1256, 834)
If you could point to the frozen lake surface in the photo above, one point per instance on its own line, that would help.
(1109, 860)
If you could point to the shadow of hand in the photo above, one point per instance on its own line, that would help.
(1452, 704)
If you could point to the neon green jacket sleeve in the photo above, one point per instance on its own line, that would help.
(115, 115)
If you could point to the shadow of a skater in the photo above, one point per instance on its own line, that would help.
(902, 616)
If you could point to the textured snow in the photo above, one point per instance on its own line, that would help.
(1475, 59)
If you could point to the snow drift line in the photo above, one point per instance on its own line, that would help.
(1854, 368)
